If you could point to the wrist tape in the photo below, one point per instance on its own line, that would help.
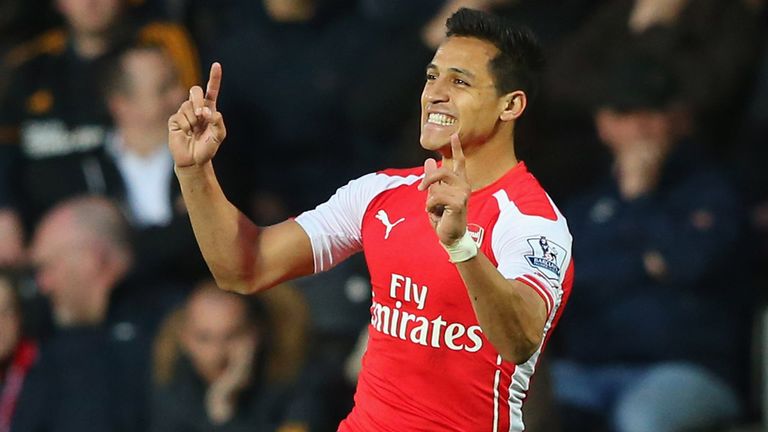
(462, 249)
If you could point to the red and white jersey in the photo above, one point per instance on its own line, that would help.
(428, 365)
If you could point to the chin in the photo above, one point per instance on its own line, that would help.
(433, 143)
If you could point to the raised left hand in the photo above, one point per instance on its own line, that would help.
(448, 193)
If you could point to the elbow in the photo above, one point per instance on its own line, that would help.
(236, 280)
(523, 349)
(238, 285)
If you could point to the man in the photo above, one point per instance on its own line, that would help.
(92, 372)
(454, 338)
(656, 239)
(142, 88)
(220, 381)
(53, 121)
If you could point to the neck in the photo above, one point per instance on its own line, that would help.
(91, 45)
(489, 161)
(142, 143)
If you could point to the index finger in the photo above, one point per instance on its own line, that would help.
(214, 84)
(457, 155)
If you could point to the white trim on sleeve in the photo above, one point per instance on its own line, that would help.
(335, 227)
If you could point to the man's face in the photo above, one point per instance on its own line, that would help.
(215, 327)
(90, 16)
(10, 322)
(621, 131)
(460, 95)
(155, 90)
(67, 264)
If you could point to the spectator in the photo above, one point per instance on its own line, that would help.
(53, 121)
(17, 354)
(300, 108)
(142, 89)
(93, 371)
(210, 368)
(656, 338)
(709, 45)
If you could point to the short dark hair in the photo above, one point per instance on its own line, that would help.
(638, 82)
(113, 78)
(520, 59)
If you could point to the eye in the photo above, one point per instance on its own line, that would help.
(460, 82)
(431, 76)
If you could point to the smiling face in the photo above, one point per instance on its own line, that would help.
(460, 95)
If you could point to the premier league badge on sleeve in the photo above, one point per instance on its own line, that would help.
(546, 256)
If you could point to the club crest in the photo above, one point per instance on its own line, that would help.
(476, 232)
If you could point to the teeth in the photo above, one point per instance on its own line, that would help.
(441, 119)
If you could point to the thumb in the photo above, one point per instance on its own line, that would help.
(429, 166)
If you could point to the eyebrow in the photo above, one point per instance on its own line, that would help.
(453, 69)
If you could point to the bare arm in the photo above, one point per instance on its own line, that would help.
(510, 313)
(241, 256)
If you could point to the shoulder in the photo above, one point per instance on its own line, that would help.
(178, 43)
(527, 212)
(50, 43)
(160, 31)
(386, 179)
(402, 172)
(521, 193)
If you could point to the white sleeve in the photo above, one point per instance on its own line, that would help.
(335, 227)
(533, 250)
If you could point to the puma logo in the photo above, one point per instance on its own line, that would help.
(384, 218)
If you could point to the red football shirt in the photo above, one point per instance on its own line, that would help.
(428, 366)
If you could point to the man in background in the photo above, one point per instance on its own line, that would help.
(142, 87)
(657, 239)
(92, 372)
(53, 119)
(217, 379)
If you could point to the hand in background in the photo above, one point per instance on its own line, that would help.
(221, 398)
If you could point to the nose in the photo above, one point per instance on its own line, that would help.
(436, 91)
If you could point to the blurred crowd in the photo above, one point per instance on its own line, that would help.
(646, 132)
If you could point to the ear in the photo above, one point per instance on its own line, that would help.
(514, 105)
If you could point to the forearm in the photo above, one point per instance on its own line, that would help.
(510, 313)
(225, 236)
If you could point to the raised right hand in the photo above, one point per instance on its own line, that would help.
(197, 129)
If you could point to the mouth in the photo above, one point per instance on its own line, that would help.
(441, 119)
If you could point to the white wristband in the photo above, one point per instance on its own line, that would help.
(462, 249)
